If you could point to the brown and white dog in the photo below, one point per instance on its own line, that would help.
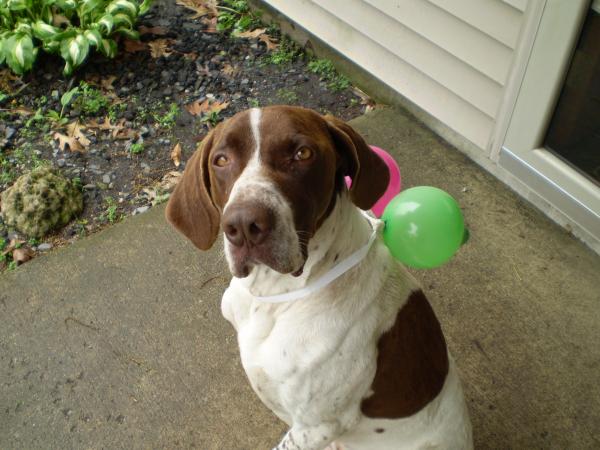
(362, 362)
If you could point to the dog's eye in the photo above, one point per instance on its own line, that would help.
(303, 154)
(221, 161)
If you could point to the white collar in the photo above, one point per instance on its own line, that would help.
(332, 274)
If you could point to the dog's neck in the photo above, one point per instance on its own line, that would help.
(344, 231)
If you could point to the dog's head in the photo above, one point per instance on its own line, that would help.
(269, 178)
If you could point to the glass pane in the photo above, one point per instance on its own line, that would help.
(574, 132)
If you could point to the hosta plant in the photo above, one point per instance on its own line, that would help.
(70, 28)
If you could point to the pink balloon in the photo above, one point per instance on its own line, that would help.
(394, 185)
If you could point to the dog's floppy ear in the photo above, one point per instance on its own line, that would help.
(370, 175)
(191, 209)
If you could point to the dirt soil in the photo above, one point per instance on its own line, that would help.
(136, 111)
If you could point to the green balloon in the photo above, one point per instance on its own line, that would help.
(424, 227)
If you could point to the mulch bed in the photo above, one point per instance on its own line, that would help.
(200, 67)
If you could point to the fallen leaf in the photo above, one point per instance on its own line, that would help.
(159, 47)
(196, 108)
(158, 31)
(64, 141)
(12, 245)
(251, 34)
(364, 98)
(176, 155)
(132, 46)
(192, 56)
(22, 111)
(271, 44)
(58, 20)
(206, 107)
(200, 7)
(211, 24)
(170, 180)
(106, 125)
(74, 129)
(22, 255)
(218, 106)
(107, 83)
(229, 70)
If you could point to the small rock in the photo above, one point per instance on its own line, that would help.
(124, 90)
(9, 133)
(245, 81)
(141, 210)
(44, 247)
(167, 91)
(61, 162)
(48, 76)
(144, 130)
(89, 187)
(106, 178)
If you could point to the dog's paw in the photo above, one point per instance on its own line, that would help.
(334, 446)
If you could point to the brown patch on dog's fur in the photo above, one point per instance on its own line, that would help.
(412, 363)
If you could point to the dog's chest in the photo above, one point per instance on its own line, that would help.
(296, 358)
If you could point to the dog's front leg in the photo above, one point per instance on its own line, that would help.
(317, 437)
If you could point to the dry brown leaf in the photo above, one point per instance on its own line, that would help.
(176, 155)
(218, 106)
(159, 47)
(157, 31)
(200, 7)
(106, 125)
(251, 34)
(120, 132)
(12, 245)
(229, 70)
(191, 56)
(132, 46)
(170, 180)
(211, 24)
(22, 111)
(271, 44)
(64, 141)
(74, 129)
(196, 108)
(22, 255)
(58, 20)
(107, 83)
(206, 107)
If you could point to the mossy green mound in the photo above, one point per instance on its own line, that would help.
(40, 201)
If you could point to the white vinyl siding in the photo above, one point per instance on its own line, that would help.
(451, 58)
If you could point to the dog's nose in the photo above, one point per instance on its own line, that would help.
(246, 223)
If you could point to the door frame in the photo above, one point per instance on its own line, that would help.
(522, 152)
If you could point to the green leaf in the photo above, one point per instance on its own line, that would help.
(94, 37)
(21, 54)
(123, 6)
(123, 20)
(66, 5)
(107, 21)
(43, 31)
(108, 48)
(16, 5)
(75, 50)
(145, 6)
(51, 46)
(68, 69)
(68, 96)
(130, 34)
(90, 5)
(24, 28)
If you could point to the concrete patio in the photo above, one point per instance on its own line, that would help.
(118, 340)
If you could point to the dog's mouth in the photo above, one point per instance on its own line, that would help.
(243, 259)
(288, 259)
